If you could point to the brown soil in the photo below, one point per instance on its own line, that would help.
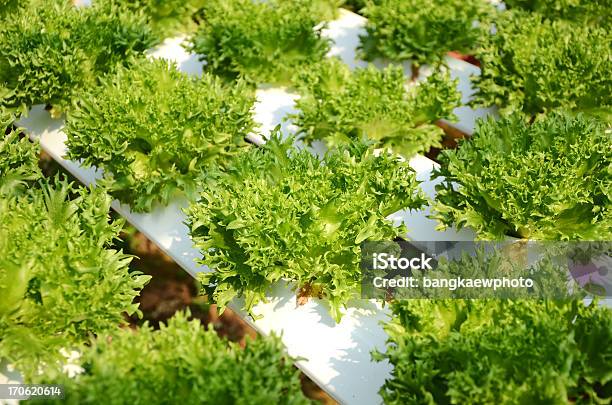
(471, 59)
(452, 136)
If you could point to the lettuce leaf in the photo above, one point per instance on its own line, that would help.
(326, 10)
(593, 12)
(165, 17)
(8, 7)
(18, 158)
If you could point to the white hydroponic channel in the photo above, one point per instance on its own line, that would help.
(337, 356)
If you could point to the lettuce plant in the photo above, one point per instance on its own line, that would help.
(184, 362)
(532, 64)
(60, 279)
(498, 352)
(157, 131)
(51, 51)
(549, 180)
(166, 18)
(338, 106)
(262, 41)
(595, 12)
(280, 213)
(112, 35)
(423, 32)
(326, 10)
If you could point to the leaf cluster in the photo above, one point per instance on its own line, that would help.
(8, 7)
(60, 279)
(339, 106)
(280, 213)
(591, 12)
(423, 32)
(166, 18)
(533, 65)
(18, 158)
(264, 42)
(182, 363)
(498, 351)
(550, 180)
(326, 10)
(113, 35)
(156, 131)
(51, 51)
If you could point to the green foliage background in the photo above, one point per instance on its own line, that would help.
(50, 52)
(423, 31)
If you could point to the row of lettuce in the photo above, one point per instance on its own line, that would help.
(263, 214)
(531, 61)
